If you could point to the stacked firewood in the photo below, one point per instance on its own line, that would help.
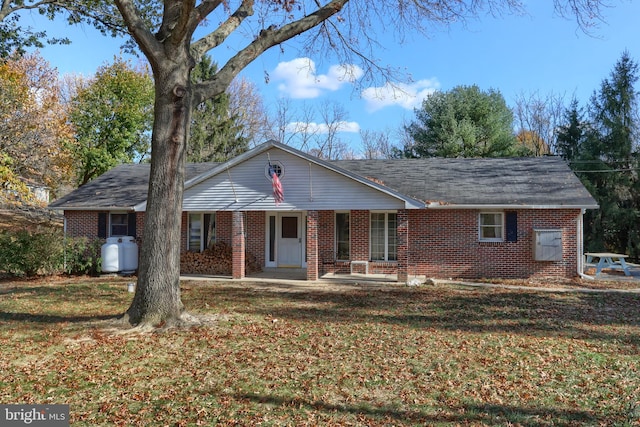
(216, 260)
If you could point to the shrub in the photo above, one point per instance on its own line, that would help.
(25, 253)
(47, 252)
(82, 256)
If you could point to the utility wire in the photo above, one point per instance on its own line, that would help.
(607, 170)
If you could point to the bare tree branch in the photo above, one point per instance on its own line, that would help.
(147, 42)
(220, 34)
(266, 39)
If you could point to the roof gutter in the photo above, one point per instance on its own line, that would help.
(96, 209)
(438, 205)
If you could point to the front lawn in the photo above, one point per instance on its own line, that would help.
(439, 355)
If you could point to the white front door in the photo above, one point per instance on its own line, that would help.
(290, 240)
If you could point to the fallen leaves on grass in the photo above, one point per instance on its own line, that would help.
(374, 357)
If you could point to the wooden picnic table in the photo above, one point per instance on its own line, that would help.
(608, 260)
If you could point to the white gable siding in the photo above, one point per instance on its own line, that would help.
(307, 186)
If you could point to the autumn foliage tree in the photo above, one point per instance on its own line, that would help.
(112, 117)
(33, 125)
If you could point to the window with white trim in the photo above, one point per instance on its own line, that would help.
(491, 226)
(118, 224)
(383, 237)
(202, 231)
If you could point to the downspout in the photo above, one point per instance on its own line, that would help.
(580, 240)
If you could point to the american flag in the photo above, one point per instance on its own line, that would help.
(278, 194)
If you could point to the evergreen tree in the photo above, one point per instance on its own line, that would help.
(464, 122)
(215, 133)
(570, 136)
(608, 163)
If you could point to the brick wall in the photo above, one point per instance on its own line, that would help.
(359, 234)
(82, 223)
(312, 245)
(85, 224)
(255, 223)
(184, 232)
(223, 227)
(238, 243)
(442, 243)
(326, 241)
(445, 243)
(139, 226)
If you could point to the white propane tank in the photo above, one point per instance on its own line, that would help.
(128, 254)
(110, 252)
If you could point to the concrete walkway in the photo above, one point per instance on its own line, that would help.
(295, 280)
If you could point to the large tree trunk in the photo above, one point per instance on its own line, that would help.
(157, 299)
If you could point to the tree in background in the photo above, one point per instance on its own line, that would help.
(610, 157)
(33, 125)
(247, 107)
(603, 153)
(570, 136)
(377, 145)
(299, 130)
(314, 128)
(464, 122)
(532, 143)
(216, 135)
(15, 38)
(112, 117)
(329, 145)
(537, 118)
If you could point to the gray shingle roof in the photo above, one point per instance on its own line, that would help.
(122, 187)
(529, 181)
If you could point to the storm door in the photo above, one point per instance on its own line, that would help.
(290, 240)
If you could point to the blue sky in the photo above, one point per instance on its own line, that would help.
(536, 52)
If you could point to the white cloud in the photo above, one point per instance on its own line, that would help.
(302, 82)
(407, 96)
(313, 128)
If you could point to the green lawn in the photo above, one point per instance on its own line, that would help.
(443, 355)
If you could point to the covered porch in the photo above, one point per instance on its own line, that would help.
(314, 245)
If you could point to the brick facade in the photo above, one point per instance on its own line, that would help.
(445, 243)
(439, 243)
(255, 228)
(238, 244)
(82, 223)
(312, 245)
(85, 224)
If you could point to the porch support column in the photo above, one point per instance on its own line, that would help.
(403, 245)
(312, 245)
(237, 245)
